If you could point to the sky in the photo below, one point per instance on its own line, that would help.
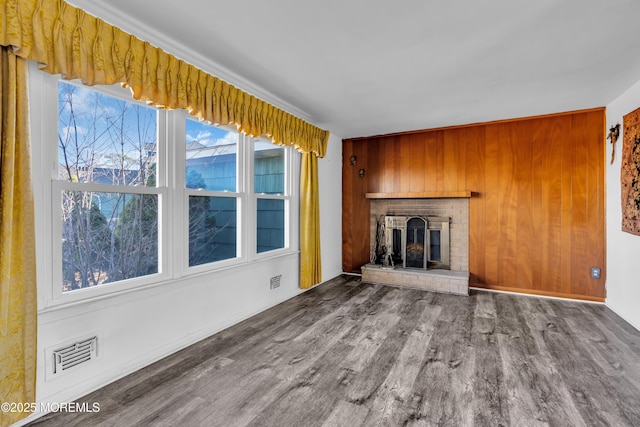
(100, 130)
(209, 135)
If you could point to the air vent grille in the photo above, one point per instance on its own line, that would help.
(74, 354)
(275, 281)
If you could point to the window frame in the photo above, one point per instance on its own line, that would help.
(286, 197)
(173, 220)
(240, 195)
(55, 294)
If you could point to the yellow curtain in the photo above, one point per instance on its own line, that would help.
(70, 42)
(18, 306)
(310, 264)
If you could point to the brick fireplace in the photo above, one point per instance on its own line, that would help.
(455, 279)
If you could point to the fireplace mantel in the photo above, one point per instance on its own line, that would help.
(420, 195)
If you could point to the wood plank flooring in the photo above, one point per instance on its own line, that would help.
(354, 354)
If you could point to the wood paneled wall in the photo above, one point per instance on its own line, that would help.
(537, 216)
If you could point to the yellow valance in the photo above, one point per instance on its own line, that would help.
(70, 42)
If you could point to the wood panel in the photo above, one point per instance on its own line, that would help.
(433, 150)
(389, 161)
(596, 204)
(538, 230)
(416, 163)
(566, 205)
(475, 178)
(404, 164)
(347, 206)
(454, 144)
(591, 126)
(549, 136)
(374, 166)
(523, 177)
(537, 216)
(490, 228)
(439, 158)
(579, 231)
(507, 203)
(355, 212)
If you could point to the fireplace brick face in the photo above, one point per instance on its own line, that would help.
(454, 281)
(455, 208)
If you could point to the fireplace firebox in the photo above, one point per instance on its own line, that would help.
(416, 242)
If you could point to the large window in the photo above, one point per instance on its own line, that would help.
(140, 195)
(106, 185)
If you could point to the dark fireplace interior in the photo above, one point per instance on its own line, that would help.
(415, 256)
(412, 242)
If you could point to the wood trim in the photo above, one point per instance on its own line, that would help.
(537, 292)
(502, 121)
(420, 195)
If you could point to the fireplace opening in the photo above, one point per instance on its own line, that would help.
(416, 242)
(414, 250)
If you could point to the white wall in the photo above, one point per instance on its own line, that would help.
(330, 174)
(623, 249)
(144, 325)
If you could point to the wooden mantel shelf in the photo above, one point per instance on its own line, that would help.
(420, 195)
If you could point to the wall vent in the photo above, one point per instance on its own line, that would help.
(75, 354)
(275, 281)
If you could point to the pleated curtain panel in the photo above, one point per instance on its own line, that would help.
(18, 308)
(65, 40)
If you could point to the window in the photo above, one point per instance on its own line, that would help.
(141, 196)
(211, 180)
(269, 187)
(106, 185)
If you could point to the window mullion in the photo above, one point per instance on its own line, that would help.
(167, 196)
(250, 216)
(179, 204)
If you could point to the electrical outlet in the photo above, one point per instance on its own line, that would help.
(595, 272)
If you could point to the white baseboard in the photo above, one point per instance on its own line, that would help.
(637, 327)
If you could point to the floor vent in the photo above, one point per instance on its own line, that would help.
(275, 281)
(74, 354)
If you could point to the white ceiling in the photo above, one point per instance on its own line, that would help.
(369, 67)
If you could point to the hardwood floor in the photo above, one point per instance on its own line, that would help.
(348, 354)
